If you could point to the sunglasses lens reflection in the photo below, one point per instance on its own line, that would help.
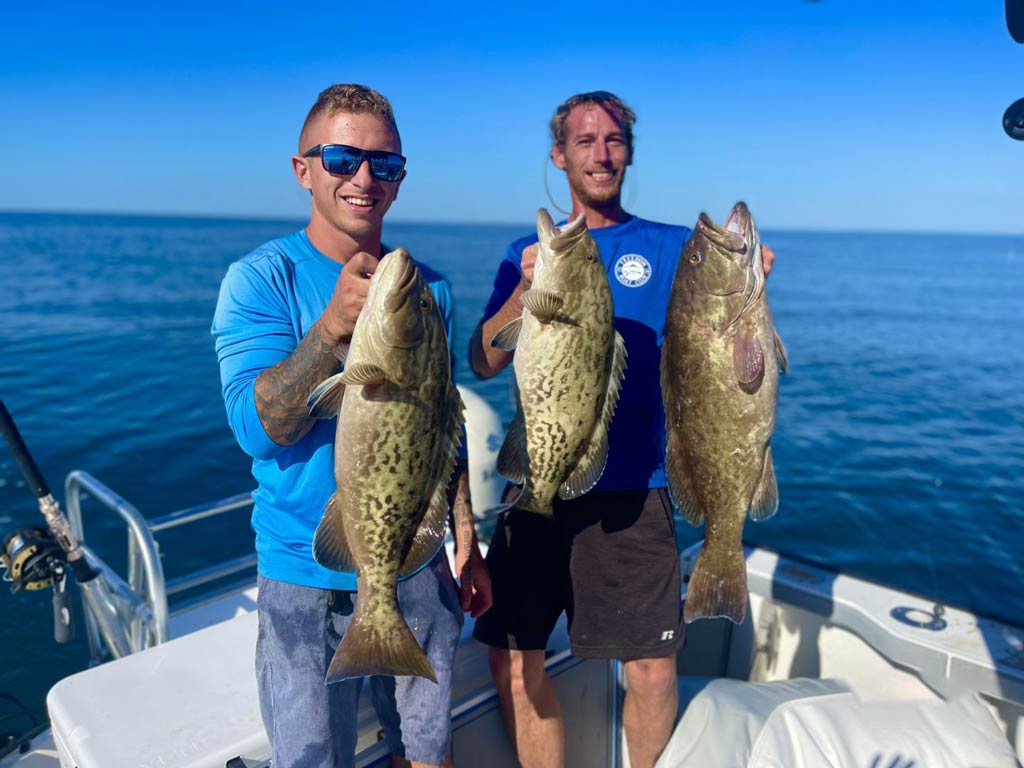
(341, 160)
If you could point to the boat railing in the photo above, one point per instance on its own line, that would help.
(137, 608)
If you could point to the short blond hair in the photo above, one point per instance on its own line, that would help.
(608, 101)
(349, 97)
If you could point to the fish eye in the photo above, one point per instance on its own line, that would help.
(590, 256)
(694, 258)
(425, 304)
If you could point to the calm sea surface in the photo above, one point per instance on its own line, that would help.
(899, 447)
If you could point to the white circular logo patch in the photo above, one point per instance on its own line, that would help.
(632, 270)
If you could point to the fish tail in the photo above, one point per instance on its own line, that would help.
(378, 642)
(718, 587)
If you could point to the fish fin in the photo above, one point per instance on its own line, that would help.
(365, 374)
(542, 304)
(588, 469)
(748, 362)
(532, 503)
(766, 496)
(330, 545)
(324, 402)
(591, 465)
(780, 352)
(507, 336)
(372, 647)
(680, 486)
(512, 461)
(429, 536)
(719, 590)
(457, 413)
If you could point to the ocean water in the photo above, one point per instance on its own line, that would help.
(899, 447)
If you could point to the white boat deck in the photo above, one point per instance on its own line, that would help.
(820, 654)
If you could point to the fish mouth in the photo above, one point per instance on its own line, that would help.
(399, 317)
(739, 219)
(739, 225)
(732, 237)
(556, 238)
(546, 229)
(400, 272)
(738, 236)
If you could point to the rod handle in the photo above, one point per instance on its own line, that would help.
(29, 470)
(63, 630)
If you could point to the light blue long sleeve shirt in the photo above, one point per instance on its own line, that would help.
(268, 302)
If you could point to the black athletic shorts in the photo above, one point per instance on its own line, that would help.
(608, 559)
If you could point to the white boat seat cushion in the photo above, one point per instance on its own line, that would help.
(722, 718)
(841, 730)
(807, 723)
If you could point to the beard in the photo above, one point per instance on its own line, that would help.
(595, 196)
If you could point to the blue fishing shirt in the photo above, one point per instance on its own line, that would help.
(640, 257)
(268, 302)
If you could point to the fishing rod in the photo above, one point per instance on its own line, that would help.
(36, 558)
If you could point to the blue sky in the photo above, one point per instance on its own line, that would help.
(837, 114)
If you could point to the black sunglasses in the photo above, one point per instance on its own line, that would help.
(343, 160)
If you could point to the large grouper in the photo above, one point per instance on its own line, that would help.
(719, 380)
(569, 363)
(400, 419)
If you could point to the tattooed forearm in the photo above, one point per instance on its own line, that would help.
(486, 360)
(282, 391)
(462, 510)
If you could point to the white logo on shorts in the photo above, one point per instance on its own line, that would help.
(632, 270)
(668, 634)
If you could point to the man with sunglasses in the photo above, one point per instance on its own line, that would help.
(609, 560)
(283, 322)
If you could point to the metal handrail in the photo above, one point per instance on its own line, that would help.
(141, 603)
(155, 597)
(190, 515)
(214, 572)
(201, 512)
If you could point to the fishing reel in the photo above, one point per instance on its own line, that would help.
(36, 558)
(32, 559)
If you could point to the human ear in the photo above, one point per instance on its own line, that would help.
(301, 170)
(558, 156)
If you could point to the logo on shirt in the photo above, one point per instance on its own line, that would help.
(632, 270)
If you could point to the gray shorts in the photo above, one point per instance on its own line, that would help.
(313, 725)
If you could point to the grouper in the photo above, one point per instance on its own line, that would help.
(720, 366)
(569, 363)
(400, 418)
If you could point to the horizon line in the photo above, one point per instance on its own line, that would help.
(450, 222)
